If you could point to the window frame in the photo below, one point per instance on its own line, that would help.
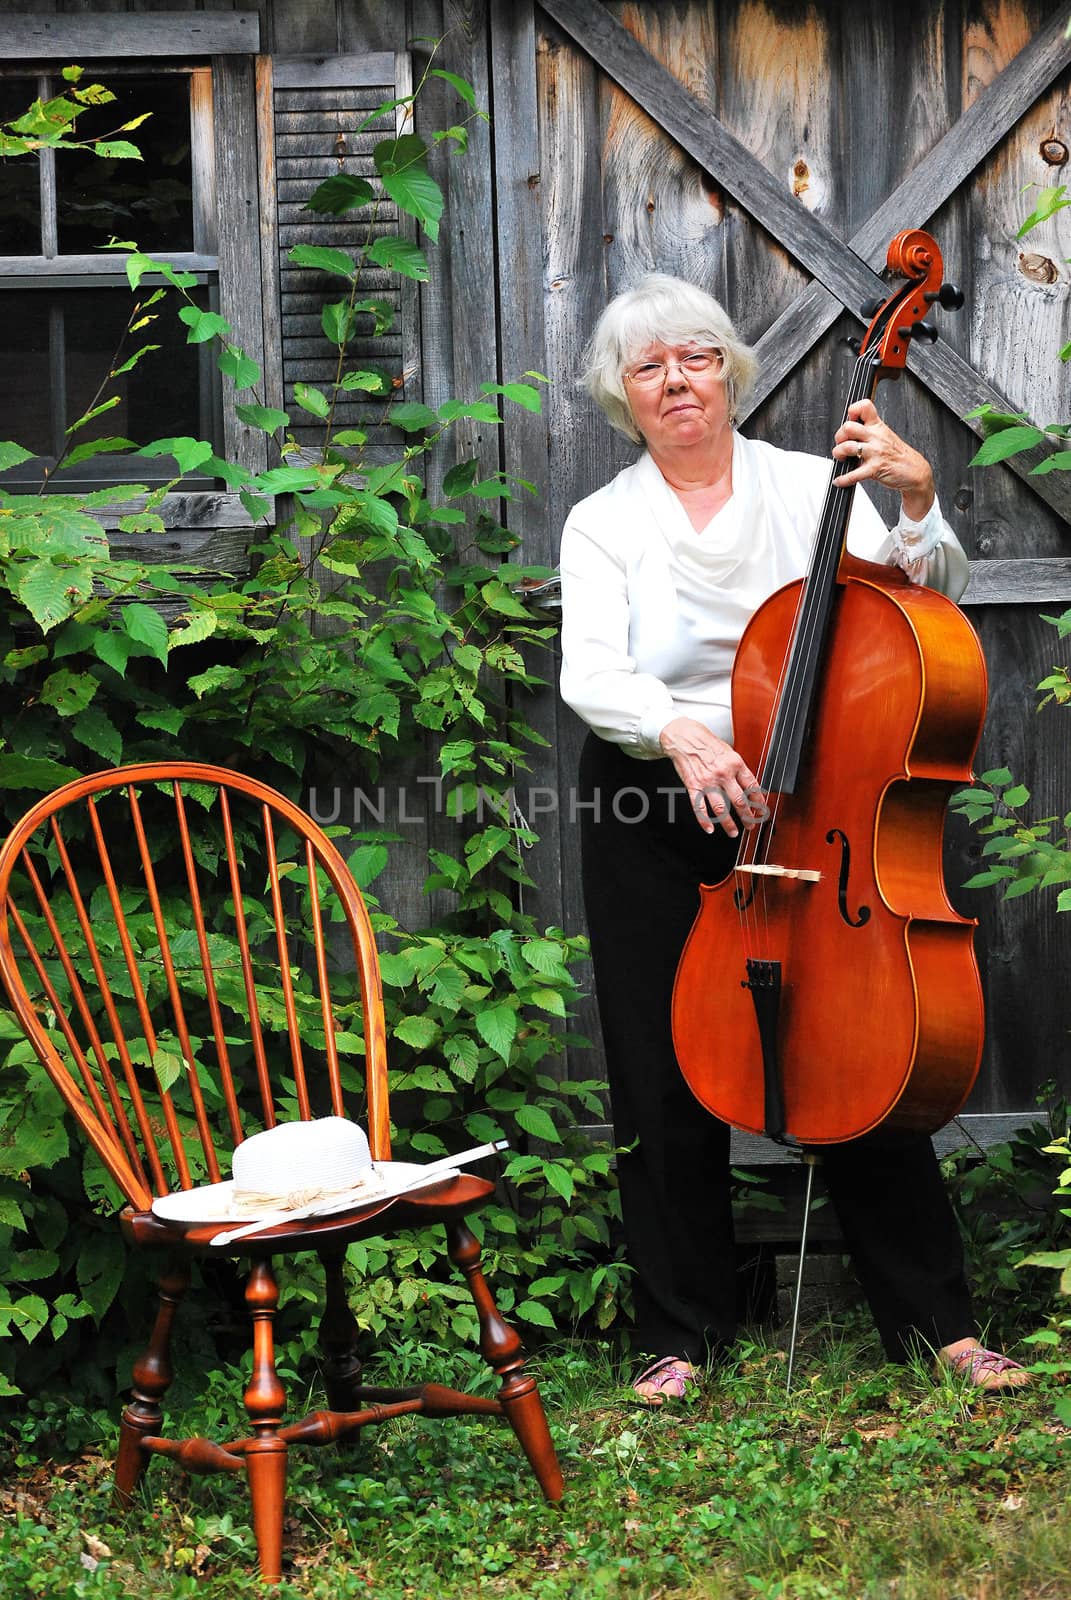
(223, 46)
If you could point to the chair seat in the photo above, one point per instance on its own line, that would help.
(454, 1197)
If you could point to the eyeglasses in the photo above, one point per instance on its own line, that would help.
(649, 373)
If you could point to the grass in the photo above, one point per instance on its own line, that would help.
(868, 1483)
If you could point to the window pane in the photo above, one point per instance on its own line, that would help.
(149, 201)
(20, 184)
(59, 343)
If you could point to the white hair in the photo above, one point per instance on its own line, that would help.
(660, 309)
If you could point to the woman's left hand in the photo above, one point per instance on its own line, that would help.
(875, 451)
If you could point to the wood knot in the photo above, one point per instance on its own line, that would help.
(1039, 269)
(1053, 150)
(650, 203)
(533, 180)
(710, 188)
(808, 187)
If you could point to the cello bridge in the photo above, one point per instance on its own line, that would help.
(769, 869)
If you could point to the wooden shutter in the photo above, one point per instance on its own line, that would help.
(317, 106)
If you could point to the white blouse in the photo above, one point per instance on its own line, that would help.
(652, 611)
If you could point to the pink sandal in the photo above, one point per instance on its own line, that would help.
(977, 1365)
(671, 1378)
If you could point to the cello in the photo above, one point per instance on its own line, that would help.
(828, 985)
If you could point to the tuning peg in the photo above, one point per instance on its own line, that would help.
(871, 308)
(854, 345)
(921, 330)
(947, 296)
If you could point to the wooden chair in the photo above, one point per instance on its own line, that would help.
(164, 941)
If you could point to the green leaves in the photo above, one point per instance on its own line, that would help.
(95, 730)
(460, 478)
(380, 621)
(113, 444)
(323, 259)
(416, 1031)
(216, 679)
(399, 255)
(1022, 855)
(416, 192)
(337, 321)
(534, 1120)
(1011, 441)
(34, 772)
(118, 150)
(400, 164)
(101, 1263)
(189, 453)
(145, 626)
(50, 590)
(138, 265)
(477, 410)
(312, 400)
(339, 194)
(1050, 201)
(411, 417)
(522, 394)
(367, 862)
(203, 325)
(12, 454)
(497, 1026)
(50, 525)
(266, 418)
(69, 692)
(237, 366)
(461, 85)
(366, 382)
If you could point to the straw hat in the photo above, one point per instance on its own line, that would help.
(319, 1166)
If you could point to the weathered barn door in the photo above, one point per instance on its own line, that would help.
(769, 152)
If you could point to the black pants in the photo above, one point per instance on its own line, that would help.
(643, 858)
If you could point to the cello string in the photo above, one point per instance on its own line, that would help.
(825, 550)
(802, 653)
(799, 659)
(811, 608)
(796, 669)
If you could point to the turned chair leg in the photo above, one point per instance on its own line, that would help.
(152, 1378)
(339, 1334)
(265, 1400)
(502, 1349)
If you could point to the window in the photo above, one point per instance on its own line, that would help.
(194, 200)
(66, 300)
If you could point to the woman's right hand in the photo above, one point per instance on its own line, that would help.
(715, 775)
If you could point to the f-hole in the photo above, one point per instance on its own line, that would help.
(842, 883)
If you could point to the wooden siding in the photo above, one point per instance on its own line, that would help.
(841, 109)
(767, 151)
(88, 31)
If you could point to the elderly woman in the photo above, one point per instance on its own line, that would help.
(661, 570)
